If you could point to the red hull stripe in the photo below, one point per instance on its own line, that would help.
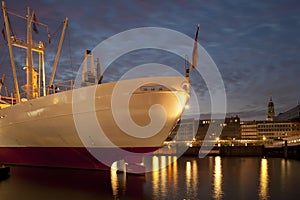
(67, 157)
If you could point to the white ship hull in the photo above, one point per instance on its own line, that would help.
(45, 131)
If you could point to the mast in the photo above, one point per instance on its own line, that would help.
(194, 60)
(58, 52)
(11, 52)
(44, 74)
(88, 75)
(29, 64)
(187, 67)
(99, 73)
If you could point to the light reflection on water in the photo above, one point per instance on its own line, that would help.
(188, 173)
(163, 176)
(114, 181)
(218, 178)
(286, 172)
(185, 178)
(195, 177)
(264, 179)
(155, 176)
(163, 173)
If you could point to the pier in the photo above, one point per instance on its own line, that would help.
(289, 151)
(285, 148)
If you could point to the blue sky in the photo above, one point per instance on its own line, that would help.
(255, 44)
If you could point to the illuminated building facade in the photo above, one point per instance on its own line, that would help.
(183, 131)
(269, 129)
(231, 128)
(274, 130)
(249, 130)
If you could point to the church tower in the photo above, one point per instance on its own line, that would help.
(271, 112)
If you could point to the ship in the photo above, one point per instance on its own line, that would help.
(42, 128)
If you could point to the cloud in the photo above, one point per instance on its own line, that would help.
(255, 44)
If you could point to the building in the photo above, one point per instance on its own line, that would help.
(183, 131)
(249, 130)
(274, 130)
(230, 129)
(292, 114)
(284, 125)
(269, 129)
(186, 130)
(271, 111)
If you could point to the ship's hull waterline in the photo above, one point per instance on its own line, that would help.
(45, 131)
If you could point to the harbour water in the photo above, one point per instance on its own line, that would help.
(187, 178)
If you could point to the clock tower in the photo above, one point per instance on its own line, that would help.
(271, 112)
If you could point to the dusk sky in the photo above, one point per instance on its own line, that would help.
(255, 44)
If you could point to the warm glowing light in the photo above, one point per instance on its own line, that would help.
(155, 163)
(114, 179)
(155, 176)
(217, 138)
(195, 177)
(188, 168)
(163, 161)
(188, 172)
(264, 179)
(163, 174)
(218, 178)
(264, 138)
(169, 164)
(181, 103)
(187, 106)
(175, 172)
(114, 167)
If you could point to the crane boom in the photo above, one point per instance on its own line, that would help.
(58, 52)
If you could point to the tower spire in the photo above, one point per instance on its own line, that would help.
(271, 111)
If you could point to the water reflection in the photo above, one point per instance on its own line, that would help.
(163, 175)
(195, 177)
(155, 176)
(118, 181)
(285, 173)
(217, 190)
(164, 171)
(175, 174)
(188, 173)
(186, 178)
(264, 179)
(114, 180)
(191, 180)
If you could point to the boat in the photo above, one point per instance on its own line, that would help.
(40, 129)
(4, 172)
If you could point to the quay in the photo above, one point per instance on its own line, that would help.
(292, 152)
(286, 148)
